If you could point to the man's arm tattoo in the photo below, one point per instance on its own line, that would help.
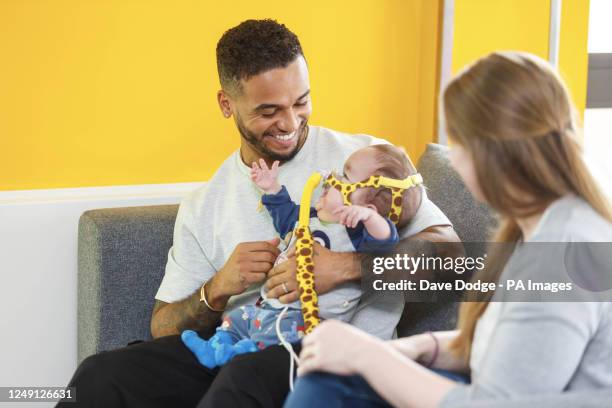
(190, 313)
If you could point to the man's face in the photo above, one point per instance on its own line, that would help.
(272, 111)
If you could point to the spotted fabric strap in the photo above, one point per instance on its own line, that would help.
(305, 276)
(304, 249)
(397, 188)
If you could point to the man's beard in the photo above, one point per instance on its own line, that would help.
(259, 146)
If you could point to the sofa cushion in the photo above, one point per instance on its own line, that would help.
(472, 222)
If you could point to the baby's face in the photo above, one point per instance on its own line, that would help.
(359, 166)
(330, 200)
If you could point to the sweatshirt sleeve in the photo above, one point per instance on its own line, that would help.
(364, 242)
(188, 265)
(284, 212)
(536, 348)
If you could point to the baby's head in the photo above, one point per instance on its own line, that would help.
(382, 160)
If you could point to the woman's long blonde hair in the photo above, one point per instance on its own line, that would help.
(513, 114)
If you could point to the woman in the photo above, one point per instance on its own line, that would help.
(514, 143)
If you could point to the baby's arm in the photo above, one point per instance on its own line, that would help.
(266, 178)
(276, 199)
(376, 225)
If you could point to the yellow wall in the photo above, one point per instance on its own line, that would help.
(117, 92)
(483, 26)
(573, 53)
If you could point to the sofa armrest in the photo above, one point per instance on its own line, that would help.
(122, 254)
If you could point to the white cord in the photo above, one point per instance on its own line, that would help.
(292, 356)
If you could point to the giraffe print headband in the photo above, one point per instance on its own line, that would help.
(304, 245)
(396, 186)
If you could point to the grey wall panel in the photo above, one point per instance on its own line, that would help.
(599, 84)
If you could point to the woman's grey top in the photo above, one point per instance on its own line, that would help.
(544, 347)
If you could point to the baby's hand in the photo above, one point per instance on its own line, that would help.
(264, 177)
(351, 215)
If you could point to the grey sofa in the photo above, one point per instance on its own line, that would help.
(122, 253)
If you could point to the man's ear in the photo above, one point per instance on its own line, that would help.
(224, 103)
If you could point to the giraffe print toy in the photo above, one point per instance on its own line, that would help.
(305, 244)
(304, 249)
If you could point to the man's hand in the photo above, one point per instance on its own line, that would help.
(264, 177)
(334, 268)
(248, 264)
(331, 269)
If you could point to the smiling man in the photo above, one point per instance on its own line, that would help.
(225, 245)
(271, 107)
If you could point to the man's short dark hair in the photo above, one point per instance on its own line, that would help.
(253, 47)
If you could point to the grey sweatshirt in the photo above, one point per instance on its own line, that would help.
(545, 347)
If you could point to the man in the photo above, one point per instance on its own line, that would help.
(225, 246)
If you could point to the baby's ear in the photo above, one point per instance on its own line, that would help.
(372, 207)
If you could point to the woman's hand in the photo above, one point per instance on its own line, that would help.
(419, 347)
(337, 348)
(432, 350)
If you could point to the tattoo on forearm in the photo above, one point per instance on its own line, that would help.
(190, 313)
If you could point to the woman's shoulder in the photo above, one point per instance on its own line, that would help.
(572, 219)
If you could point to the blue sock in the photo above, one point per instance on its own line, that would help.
(217, 350)
(225, 352)
(202, 349)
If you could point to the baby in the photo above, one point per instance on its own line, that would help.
(346, 218)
